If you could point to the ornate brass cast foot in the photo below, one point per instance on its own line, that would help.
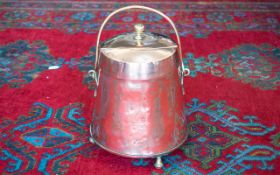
(91, 139)
(158, 163)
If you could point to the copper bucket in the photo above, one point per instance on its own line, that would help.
(139, 109)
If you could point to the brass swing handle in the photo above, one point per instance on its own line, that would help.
(182, 70)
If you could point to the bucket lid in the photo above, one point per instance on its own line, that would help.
(139, 47)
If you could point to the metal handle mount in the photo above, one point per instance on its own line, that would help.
(182, 69)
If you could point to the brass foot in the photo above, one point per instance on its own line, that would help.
(158, 164)
(91, 140)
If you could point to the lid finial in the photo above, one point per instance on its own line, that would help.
(139, 29)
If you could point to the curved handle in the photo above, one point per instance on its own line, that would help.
(183, 69)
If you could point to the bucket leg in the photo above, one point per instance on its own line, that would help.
(91, 139)
(158, 164)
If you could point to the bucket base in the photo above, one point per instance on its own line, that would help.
(94, 141)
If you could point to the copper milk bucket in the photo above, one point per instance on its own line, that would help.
(139, 109)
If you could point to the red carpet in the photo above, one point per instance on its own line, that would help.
(232, 100)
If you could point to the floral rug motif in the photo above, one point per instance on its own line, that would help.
(62, 133)
(192, 17)
(257, 65)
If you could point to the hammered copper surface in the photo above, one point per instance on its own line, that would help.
(139, 108)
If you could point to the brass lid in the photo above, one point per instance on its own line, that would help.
(139, 47)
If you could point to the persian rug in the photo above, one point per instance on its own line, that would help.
(232, 94)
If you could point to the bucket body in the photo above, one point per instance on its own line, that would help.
(139, 104)
(139, 109)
